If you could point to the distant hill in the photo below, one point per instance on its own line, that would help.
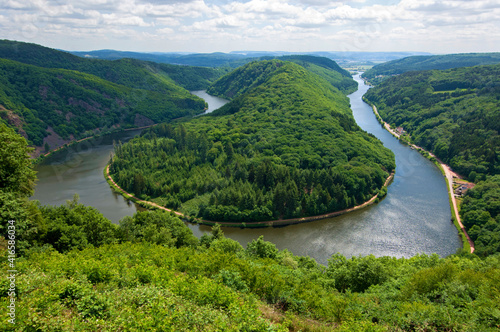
(53, 97)
(342, 79)
(326, 68)
(216, 59)
(441, 62)
(286, 146)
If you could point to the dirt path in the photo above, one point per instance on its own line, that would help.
(282, 222)
(137, 199)
(449, 174)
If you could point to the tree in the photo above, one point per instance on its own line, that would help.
(139, 184)
(16, 172)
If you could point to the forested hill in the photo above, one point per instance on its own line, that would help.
(324, 67)
(453, 113)
(129, 72)
(57, 105)
(440, 62)
(286, 146)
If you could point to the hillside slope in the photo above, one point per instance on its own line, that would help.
(440, 62)
(53, 97)
(324, 67)
(41, 101)
(453, 113)
(287, 145)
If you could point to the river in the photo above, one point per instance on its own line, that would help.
(414, 217)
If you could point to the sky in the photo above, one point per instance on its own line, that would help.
(204, 26)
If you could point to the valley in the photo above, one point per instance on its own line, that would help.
(270, 140)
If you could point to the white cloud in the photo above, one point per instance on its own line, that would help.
(262, 24)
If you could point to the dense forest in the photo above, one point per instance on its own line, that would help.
(76, 271)
(286, 146)
(73, 103)
(324, 67)
(480, 212)
(48, 92)
(384, 70)
(455, 114)
(132, 73)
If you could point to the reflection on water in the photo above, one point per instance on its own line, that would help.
(79, 170)
(213, 102)
(413, 218)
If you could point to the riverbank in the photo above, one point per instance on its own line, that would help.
(255, 224)
(468, 244)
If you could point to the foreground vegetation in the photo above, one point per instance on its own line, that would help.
(76, 271)
(286, 146)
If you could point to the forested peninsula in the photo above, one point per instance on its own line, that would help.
(454, 114)
(286, 146)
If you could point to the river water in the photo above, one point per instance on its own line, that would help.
(413, 218)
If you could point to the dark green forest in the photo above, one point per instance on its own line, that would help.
(380, 72)
(132, 73)
(480, 213)
(286, 146)
(43, 88)
(76, 271)
(456, 115)
(73, 103)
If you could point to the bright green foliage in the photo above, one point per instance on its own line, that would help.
(156, 227)
(480, 214)
(416, 63)
(452, 113)
(16, 173)
(75, 226)
(17, 181)
(261, 248)
(142, 286)
(287, 146)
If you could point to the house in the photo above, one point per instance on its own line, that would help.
(400, 131)
(463, 188)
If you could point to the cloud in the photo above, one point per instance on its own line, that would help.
(269, 23)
